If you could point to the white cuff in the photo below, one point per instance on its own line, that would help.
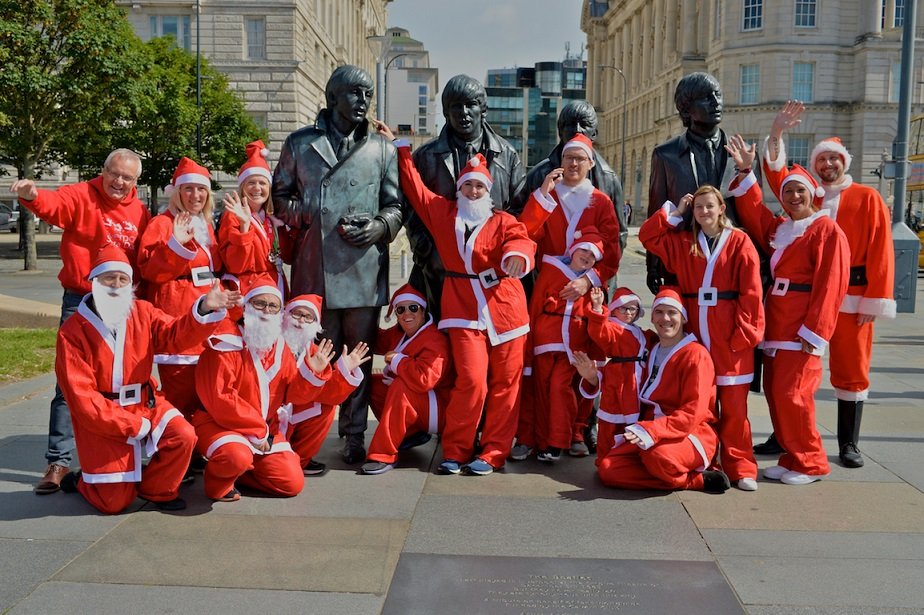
(646, 440)
(180, 250)
(812, 338)
(585, 393)
(145, 429)
(745, 184)
(308, 374)
(780, 163)
(591, 274)
(393, 364)
(354, 377)
(211, 317)
(256, 441)
(525, 257)
(670, 211)
(877, 307)
(548, 203)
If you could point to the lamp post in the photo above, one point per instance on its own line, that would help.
(378, 46)
(625, 117)
(198, 87)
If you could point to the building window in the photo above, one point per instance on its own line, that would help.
(896, 81)
(753, 14)
(797, 149)
(422, 90)
(255, 27)
(803, 81)
(899, 20)
(259, 118)
(805, 13)
(717, 23)
(750, 84)
(176, 26)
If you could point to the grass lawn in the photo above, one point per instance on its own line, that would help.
(25, 353)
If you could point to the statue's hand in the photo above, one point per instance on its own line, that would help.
(364, 236)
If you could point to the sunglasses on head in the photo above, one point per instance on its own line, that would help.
(413, 308)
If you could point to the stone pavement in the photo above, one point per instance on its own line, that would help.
(530, 539)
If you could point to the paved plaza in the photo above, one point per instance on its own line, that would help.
(533, 538)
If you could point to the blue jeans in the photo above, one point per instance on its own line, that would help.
(60, 431)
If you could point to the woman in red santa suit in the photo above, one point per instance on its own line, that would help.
(178, 258)
(810, 266)
(411, 393)
(673, 442)
(718, 273)
(483, 309)
(248, 236)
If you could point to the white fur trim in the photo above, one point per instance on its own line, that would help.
(263, 290)
(727, 381)
(211, 317)
(876, 307)
(744, 185)
(409, 297)
(193, 178)
(671, 302)
(780, 163)
(482, 177)
(646, 440)
(180, 250)
(587, 246)
(547, 202)
(578, 145)
(248, 172)
(527, 269)
(305, 304)
(851, 395)
(107, 266)
(144, 430)
(354, 377)
(830, 146)
(812, 338)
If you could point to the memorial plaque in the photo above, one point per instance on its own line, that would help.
(426, 584)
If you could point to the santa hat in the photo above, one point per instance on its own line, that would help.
(311, 302)
(256, 163)
(623, 296)
(262, 284)
(589, 239)
(580, 142)
(670, 297)
(110, 258)
(477, 168)
(832, 145)
(405, 293)
(800, 174)
(188, 171)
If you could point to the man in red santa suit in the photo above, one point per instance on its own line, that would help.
(104, 210)
(309, 423)
(673, 442)
(866, 221)
(483, 309)
(248, 381)
(411, 393)
(104, 359)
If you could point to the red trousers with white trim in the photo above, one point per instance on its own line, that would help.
(307, 436)
(487, 377)
(606, 434)
(178, 384)
(850, 353)
(790, 381)
(556, 403)
(526, 412)
(160, 480)
(585, 408)
(400, 411)
(737, 450)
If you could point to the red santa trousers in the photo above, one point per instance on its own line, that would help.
(400, 411)
(178, 384)
(160, 480)
(850, 352)
(790, 381)
(307, 436)
(487, 377)
(556, 404)
(737, 452)
(526, 412)
(669, 465)
(606, 434)
(585, 408)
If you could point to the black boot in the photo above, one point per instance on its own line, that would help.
(770, 447)
(849, 414)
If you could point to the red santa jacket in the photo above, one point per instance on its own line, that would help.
(176, 275)
(257, 251)
(553, 232)
(721, 290)
(334, 386)
(477, 294)
(90, 219)
(556, 324)
(809, 264)
(106, 380)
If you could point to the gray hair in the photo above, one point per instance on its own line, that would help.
(120, 154)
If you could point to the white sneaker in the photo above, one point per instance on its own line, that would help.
(798, 478)
(520, 452)
(747, 484)
(775, 472)
(578, 449)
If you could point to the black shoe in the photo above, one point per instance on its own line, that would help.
(590, 438)
(197, 463)
(353, 450)
(189, 477)
(314, 468)
(770, 447)
(715, 481)
(171, 505)
(232, 496)
(850, 457)
(69, 482)
(418, 439)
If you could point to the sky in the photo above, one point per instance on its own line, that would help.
(472, 36)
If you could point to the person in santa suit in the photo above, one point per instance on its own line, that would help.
(673, 441)
(617, 383)
(309, 423)
(104, 358)
(718, 274)
(104, 210)
(411, 393)
(249, 235)
(178, 258)
(810, 265)
(484, 309)
(249, 381)
(866, 221)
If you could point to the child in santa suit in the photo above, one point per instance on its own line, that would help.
(411, 393)
(484, 309)
(178, 258)
(673, 441)
(617, 383)
(718, 274)
(104, 358)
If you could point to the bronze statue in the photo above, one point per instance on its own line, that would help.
(336, 185)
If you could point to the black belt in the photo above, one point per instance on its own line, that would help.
(146, 387)
(626, 359)
(858, 276)
(801, 288)
(722, 294)
(470, 276)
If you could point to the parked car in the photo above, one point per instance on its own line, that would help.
(14, 220)
(7, 222)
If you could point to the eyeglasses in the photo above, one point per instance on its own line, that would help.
(128, 179)
(575, 159)
(308, 317)
(627, 309)
(265, 306)
(413, 308)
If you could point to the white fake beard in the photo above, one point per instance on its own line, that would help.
(201, 231)
(261, 331)
(113, 304)
(473, 213)
(299, 335)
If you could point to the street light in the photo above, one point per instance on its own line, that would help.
(625, 105)
(198, 87)
(378, 46)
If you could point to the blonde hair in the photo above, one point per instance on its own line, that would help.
(707, 189)
(268, 205)
(176, 204)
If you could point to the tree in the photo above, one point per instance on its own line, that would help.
(70, 69)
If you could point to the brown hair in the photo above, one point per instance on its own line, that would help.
(723, 219)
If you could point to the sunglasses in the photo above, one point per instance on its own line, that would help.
(413, 309)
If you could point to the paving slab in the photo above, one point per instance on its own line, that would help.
(57, 516)
(797, 543)
(812, 610)
(105, 599)
(25, 389)
(27, 562)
